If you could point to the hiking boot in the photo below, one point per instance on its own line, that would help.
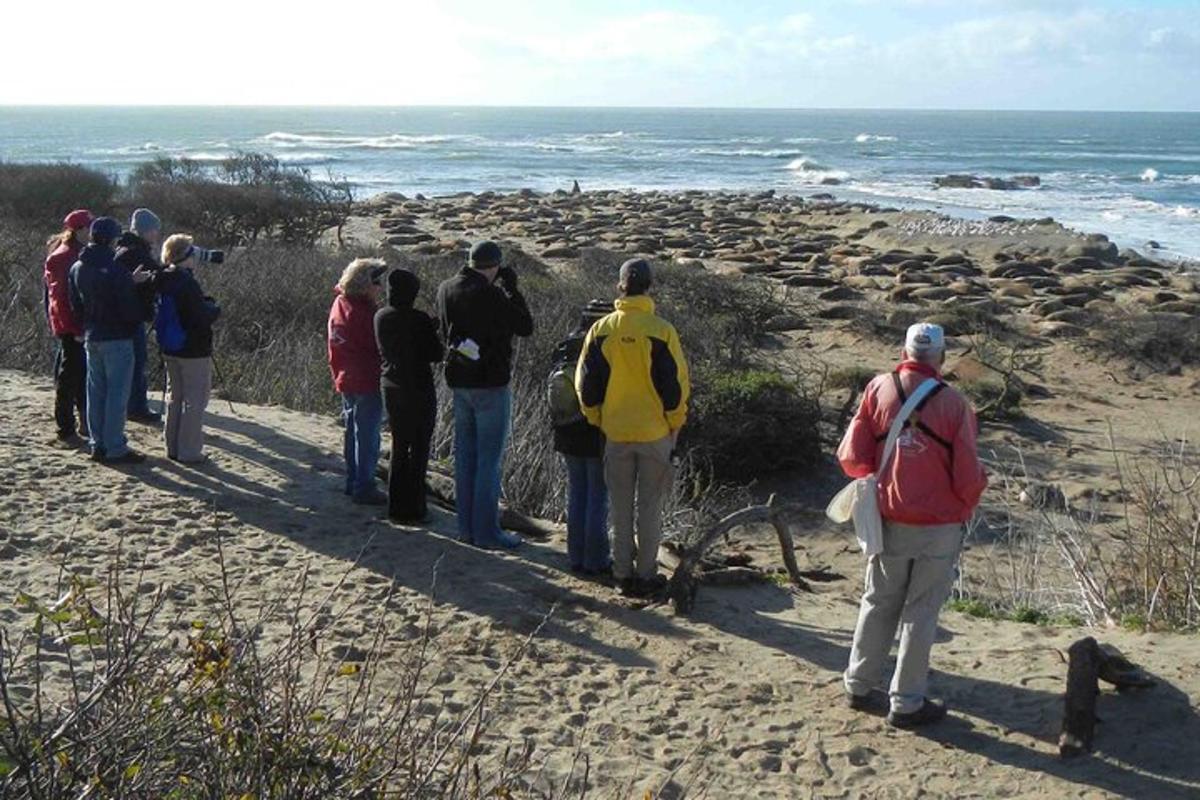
(145, 417)
(129, 457)
(97, 455)
(649, 587)
(929, 713)
(371, 497)
(873, 702)
(628, 587)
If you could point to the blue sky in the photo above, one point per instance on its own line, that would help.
(1052, 54)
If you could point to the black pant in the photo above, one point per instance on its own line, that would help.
(70, 387)
(411, 416)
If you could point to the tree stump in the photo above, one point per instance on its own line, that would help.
(1079, 715)
(1089, 662)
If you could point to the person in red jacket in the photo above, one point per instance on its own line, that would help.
(356, 367)
(927, 491)
(70, 362)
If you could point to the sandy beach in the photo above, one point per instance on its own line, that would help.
(744, 696)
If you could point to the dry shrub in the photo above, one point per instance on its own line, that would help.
(105, 695)
(1141, 569)
(1159, 341)
(42, 194)
(242, 199)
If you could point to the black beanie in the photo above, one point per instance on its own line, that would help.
(402, 288)
(485, 255)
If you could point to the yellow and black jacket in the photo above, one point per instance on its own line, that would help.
(631, 377)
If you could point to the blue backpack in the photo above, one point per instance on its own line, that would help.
(168, 327)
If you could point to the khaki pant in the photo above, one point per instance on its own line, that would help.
(639, 476)
(189, 382)
(906, 586)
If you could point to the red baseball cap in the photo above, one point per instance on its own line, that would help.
(80, 218)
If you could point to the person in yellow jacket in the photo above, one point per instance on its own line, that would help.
(633, 384)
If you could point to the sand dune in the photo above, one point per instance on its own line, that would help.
(752, 678)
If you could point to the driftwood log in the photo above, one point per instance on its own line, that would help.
(1089, 662)
(682, 587)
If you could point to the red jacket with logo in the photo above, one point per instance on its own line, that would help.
(63, 321)
(353, 354)
(935, 476)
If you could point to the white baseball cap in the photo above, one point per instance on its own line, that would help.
(924, 338)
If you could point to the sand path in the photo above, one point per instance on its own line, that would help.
(753, 675)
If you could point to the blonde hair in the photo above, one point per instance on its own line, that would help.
(175, 248)
(356, 278)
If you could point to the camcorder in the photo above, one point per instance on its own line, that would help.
(205, 256)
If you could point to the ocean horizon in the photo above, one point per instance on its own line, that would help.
(1134, 176)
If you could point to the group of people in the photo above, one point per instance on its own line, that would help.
(629, 381)
(619, 397)
(103, 286)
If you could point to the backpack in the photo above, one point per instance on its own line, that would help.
(560, 392)
(168, 327)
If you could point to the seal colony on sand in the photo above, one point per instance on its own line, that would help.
(1036, 275)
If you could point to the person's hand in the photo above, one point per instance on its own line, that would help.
(141, 275)
(507, 278)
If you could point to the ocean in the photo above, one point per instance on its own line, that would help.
(1133, 176)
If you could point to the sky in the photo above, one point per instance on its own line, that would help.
(990, 54)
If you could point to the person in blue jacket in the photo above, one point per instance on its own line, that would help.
(105, 297)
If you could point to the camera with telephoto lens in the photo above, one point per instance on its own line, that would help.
(204, 256)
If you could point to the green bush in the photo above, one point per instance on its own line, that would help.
(749, 423)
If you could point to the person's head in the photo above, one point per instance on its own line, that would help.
(486, 258)
(104, 231)
(402, 288)
(926, 343)
(76, 228)
(635, 277)
(177, 250)
(363, 278)
(146, 225)
(593, 312)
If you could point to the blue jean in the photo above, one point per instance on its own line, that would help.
(109, 372)
(481, 424)
(587, 514)
(138, 387)
(363, 415)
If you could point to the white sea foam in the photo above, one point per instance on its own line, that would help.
(863, 138)
(803, 140)
(746, 152)
(394, 141)
(805, 165)
(1149, 175)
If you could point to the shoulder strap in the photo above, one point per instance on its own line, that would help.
(905, 412)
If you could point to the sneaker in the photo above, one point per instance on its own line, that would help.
(929, 713)
(145, 417)
(628, 587)
(97, 455)
(873, 702)
(70, 437)
(372, 497)
(130, 457)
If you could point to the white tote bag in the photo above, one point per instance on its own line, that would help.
(859, 500)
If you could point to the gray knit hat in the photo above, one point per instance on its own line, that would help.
(144, 221)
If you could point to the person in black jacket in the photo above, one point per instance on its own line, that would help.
(408, 344)
(481, 310)
(185, 337)
(105, 297)
(582, 448)
(135, 250)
